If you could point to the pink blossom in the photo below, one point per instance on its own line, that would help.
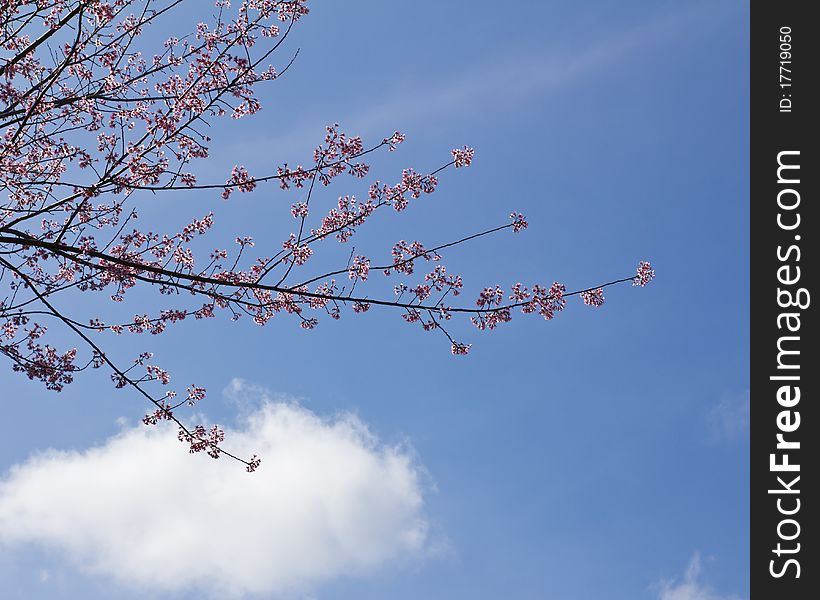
(96, 123)
(253, 464)
(644, 275)
(359, 268)
(593, 297)
(393, 141)
(195, 394)
(299, 210)
(519, 222)
(462, 157)
(459, 349)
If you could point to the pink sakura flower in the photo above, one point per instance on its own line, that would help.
(293, 10)
(195, 394)
(300, 209)
(184, 257)
(489, 297)
(422, 292)
(492, 319)
(157, 373)
(163, 413)
(440, 281)
(593, 297)
(359, 268)
(342, 221)
(644, 275)
(201, 439)
(519, 222)
(462, 157)
(520, 293)
(140, 360)
(300, 254)
(459, 349)
(411, 316)
(404, 254)
(393, 141)
(241, 179)
(545, 302)
(288, 177)
(190, 72)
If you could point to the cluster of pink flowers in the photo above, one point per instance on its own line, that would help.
(343, 219)
(240, 179)
(299, 210)
(164, 412)
(412, 184)
(459, 349)
(545, 301)
(292, 177)
(309, 323)
(393, 141)
(361, 307)
(157, 373)
(493, 313)
(286, 10)
(44, 363)
(91, 121)
(195, 394)
(338, 145)
(184, 257)
(462, 157)
(489, 297)
(253, 464)
(359, 268)
(197, 226)
(644, 275)
(337, 155)
(404, 256)
(440, 280)
(202, 440)
(299, 253)
(593, 297)
(519, 222)
(492, 319)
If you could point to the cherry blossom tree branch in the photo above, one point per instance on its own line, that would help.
(92, 119)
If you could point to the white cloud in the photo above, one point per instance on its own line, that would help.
(690, 587)
(328, 500)
(728, 420)
(245, 397)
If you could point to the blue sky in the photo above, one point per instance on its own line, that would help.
(600, 455)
